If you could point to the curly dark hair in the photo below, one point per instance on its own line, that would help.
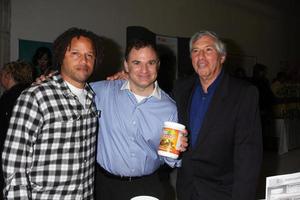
(62, 42)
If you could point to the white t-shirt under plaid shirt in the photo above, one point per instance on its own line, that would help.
(49, 152)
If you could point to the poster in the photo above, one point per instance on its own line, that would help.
(27, 48)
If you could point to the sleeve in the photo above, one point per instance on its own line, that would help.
(171, 162)
(17, 152)
(247, 147)
(101, 89)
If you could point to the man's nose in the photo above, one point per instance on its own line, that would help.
(144, 68)
(200, 54)
(83, 58)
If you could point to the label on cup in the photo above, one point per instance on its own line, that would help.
(170, 140)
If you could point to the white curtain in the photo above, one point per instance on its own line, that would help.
(5, 14)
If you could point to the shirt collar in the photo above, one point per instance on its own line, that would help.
(63, 85)
(212, 86)
(156, 92)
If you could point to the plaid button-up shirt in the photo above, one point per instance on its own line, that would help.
(49, 152)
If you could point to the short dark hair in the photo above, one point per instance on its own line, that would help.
(138, 44)
(62, 42)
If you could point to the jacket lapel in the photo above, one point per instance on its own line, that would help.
(185, 103)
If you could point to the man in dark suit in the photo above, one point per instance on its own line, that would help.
(222, 116)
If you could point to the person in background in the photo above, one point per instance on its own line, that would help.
(14, 78)
(132, 117)
(222, 117)
(42, 62)
(49, 151)
(266, 96)
(278, 84)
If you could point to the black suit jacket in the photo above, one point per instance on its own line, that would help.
(226, 159)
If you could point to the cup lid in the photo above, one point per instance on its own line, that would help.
(174, 125)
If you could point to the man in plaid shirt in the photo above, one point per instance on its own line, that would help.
(49, 152)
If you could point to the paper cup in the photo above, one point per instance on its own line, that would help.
(170, 140)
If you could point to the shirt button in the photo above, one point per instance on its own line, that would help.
(133, 122)
(132, 154)
(132, 170)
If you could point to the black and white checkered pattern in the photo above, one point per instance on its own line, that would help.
(49, 151)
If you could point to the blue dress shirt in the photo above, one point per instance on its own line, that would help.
(129, 132)
(199, 106)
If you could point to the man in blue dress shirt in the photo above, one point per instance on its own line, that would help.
(132, 117)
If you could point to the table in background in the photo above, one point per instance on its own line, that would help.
(288, 132)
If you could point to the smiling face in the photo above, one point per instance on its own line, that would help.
(206, 60)
(142, 66)
(78, 62)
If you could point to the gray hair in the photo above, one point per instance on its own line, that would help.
(220, 46)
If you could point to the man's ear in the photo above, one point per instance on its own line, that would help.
(223, 58)
(125, 66)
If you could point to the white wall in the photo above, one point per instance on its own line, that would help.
(255, 29)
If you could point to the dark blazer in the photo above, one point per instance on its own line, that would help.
(226, 159)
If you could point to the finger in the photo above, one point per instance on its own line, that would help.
(113, 77)
(184, 132)
(182, 148)
(51, 73)
(184, 144)
(183, 139)
(38, 80)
